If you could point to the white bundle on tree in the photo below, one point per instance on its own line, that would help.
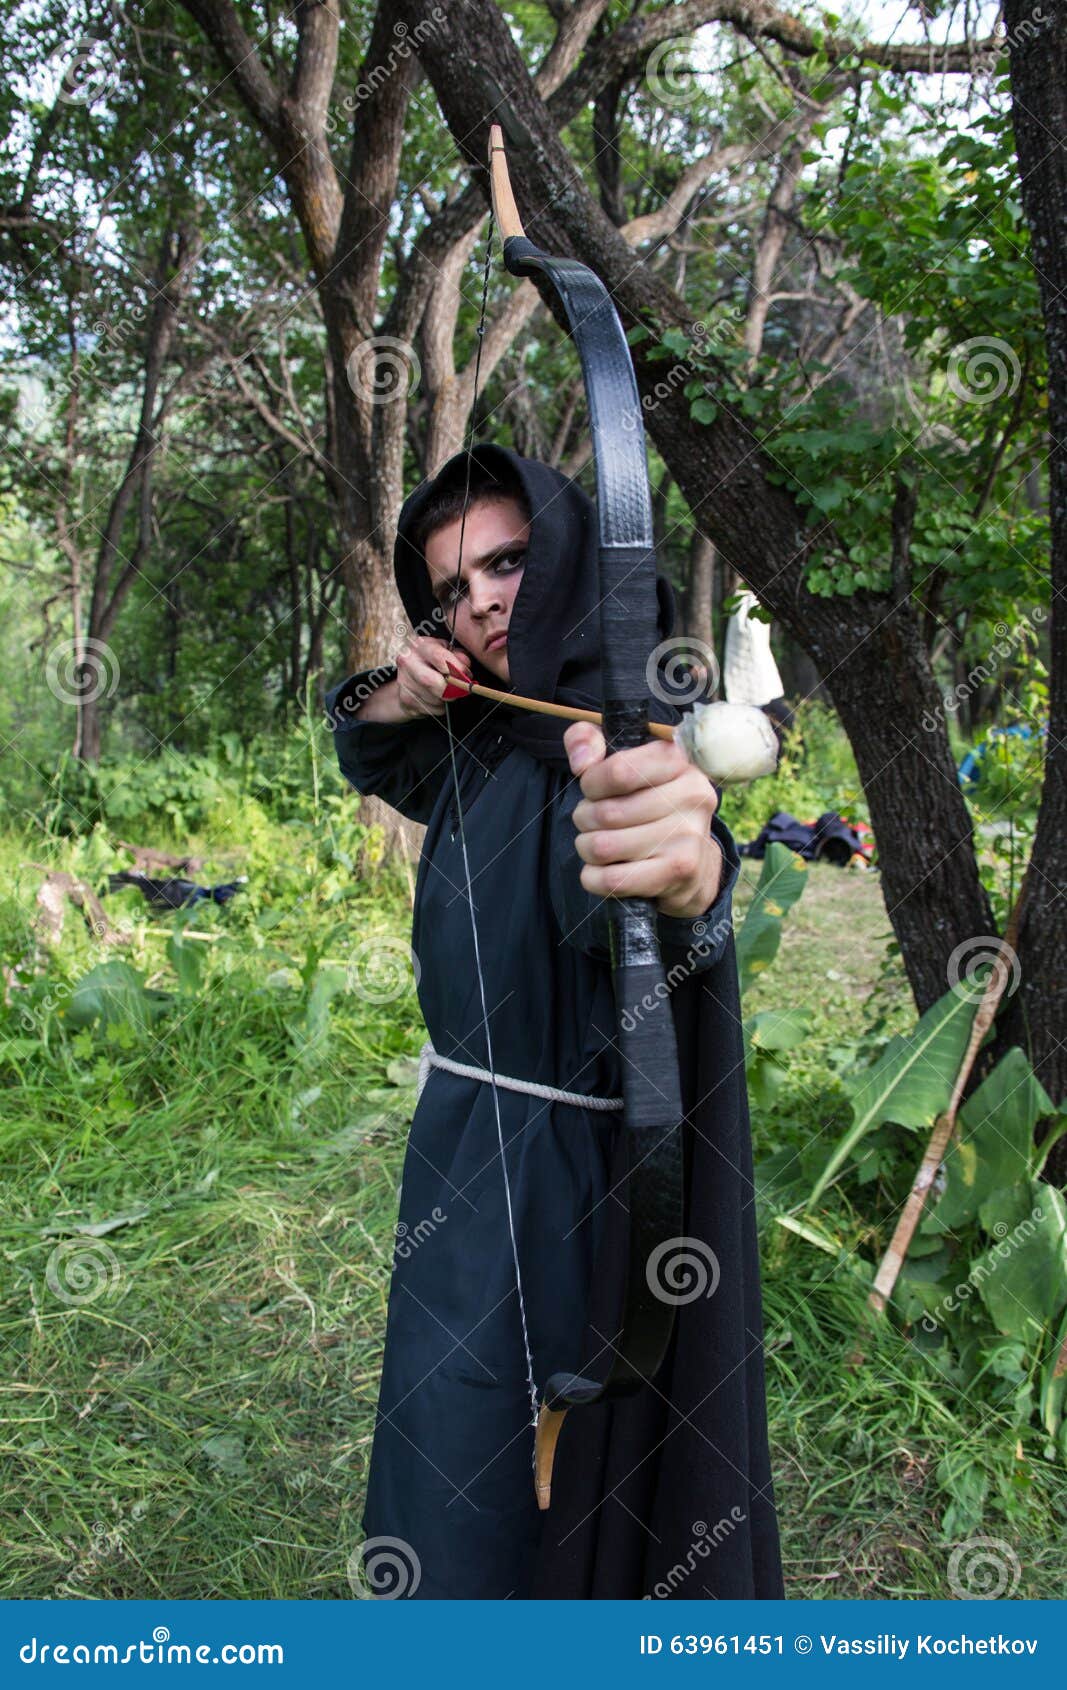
(750, 674)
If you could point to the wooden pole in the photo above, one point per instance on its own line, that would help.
(945, 1125)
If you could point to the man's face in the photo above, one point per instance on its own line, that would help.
(479, 605)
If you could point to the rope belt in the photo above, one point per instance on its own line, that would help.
(428, 1058)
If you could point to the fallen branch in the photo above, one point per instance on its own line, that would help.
(56, 888)
(146, 857)
(945, 1125)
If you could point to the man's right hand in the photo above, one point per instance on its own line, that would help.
(421, 676)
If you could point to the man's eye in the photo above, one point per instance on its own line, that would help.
(509, 561)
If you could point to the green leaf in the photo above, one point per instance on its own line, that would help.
(778, 1029)
(912, 1080)
(809, 1234)
(115, 992)
(782, 880)
(763, 1080)
(226, 1453)
(1023, 1278)
(996, 1147)
(187, 960)
(1054, 1383)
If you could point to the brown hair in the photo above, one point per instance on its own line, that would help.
(447, 504)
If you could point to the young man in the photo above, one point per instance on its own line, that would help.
(500, 1290)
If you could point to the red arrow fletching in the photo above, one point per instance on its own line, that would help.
(460, 688)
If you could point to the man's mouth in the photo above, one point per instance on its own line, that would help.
(497, 641)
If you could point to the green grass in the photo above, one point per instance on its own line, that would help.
(202, 1427)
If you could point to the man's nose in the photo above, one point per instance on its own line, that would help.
(484, 595)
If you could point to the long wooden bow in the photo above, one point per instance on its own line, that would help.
(652, 1107)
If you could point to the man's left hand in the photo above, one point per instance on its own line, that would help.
(644, 823)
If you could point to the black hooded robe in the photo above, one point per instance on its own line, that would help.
(667, 1493)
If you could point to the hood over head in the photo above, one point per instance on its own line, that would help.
(554, 631)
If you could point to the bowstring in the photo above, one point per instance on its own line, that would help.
(490, 1064)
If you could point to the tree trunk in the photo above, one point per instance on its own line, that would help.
(1039, 112)
(115, 569)
(697, 617)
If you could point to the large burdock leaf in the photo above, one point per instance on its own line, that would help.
(115, 992)
(1054, 1384)
(1023, 1278)
(912, 1080)
(996, 1145)
(782, 880)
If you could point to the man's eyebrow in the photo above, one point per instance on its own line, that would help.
(448, 579)
(499, 551)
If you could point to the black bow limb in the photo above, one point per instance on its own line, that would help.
(652, 1106)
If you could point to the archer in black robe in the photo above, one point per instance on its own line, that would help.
(665, 1493)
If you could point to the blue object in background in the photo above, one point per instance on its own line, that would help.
(970, 769)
